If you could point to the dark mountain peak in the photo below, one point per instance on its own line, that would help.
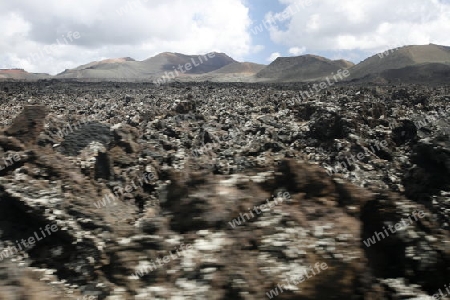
(301, 58)
(301, 68)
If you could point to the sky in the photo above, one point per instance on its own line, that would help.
(49, 36)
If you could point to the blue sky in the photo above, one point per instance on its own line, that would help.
(52, 35)
(257, 11)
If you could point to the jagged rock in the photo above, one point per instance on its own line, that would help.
(77, 140)
(432, 171)
(327, 126)
(28, 124)
(95, 161)
(405, 132)
(413, 250)
(126, 137)
(193, 172)
(184, 107)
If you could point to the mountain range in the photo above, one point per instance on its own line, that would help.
(408, 64)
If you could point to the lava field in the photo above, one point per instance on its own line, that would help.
(223, 191)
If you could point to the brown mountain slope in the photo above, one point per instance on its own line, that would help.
(400, 58)
(431, 73)
(104, 63)
(234, 72)
(20, 74)
(200, 63)
(105, 69)
(152, 68)
(238, 67)
(301, 68)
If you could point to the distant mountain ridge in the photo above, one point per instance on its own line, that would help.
(414, 63)
(402, 57)
(234, 72)
(170, 65)
(408, 64)
(21, 74)
(199, 64)
(301, 68)
(237, 67)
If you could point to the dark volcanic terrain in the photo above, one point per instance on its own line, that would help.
(223, 191)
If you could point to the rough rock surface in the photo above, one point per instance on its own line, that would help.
(145, 170)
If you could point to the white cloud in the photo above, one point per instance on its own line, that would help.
(258, 48)
(273, 56)
(366, 25)
(115, 28)
(297, 51)
(144, 28)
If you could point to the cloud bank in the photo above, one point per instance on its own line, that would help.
(364, 25)
(351, 29)
(113, 28)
